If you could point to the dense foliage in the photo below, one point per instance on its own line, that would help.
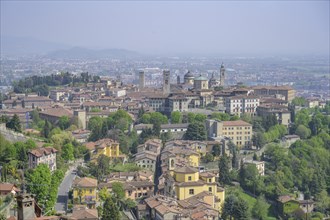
(196, 131)
(40, 84)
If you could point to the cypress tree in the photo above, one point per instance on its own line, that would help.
(110, 210)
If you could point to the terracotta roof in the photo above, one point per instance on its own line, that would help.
(285, 198)
(236, 123)
(195, 183)
(6, 187)
(152, 202)
(57, 112)
(38, 98)
(207, 174)
(85, 214)
(105, 142)
(39, 152)
(85, 182)
(273, 87)
(186, 170)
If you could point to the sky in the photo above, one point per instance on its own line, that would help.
(197, 27)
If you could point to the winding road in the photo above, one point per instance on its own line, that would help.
(63, 190)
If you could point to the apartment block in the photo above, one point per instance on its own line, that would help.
(240, 132)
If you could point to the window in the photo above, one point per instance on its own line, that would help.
(90, 191)
(210, 180)
(210, 189)
(191, 191)
(189, 178)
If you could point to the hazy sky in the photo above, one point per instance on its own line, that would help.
(175, 26)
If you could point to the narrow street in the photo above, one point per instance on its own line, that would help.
(63, 190)
(157, 174)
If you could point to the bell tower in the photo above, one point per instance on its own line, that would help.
(141, 79)
(222, 75)
(166, 82)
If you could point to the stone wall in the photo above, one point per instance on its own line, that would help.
(10, 135)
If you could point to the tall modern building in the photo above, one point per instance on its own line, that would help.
(166, 81)
(222, 75)
(141, 79)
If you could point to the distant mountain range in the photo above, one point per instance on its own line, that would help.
(22, 46)
(83, 53)
(27, 46)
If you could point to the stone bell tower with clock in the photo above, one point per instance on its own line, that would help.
(166, 82)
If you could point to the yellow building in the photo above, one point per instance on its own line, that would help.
(240, 132)
(108, 147)
(85, 191)
(189, 182)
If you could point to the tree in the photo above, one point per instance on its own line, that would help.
(208, 158)
(2, 216)
(228, 209)
(110, 210)
(156, 129)
(216, 150)
(322, 201)
(200, 118)
(220, 116)
(196, 131)
(67, 152)
(234, 152)
(224, 170)
(176, 117)
(269, 121)
(316, 124)
(302, 118)
(303, 132)
(95, 125)
(299, 101)
(64, 122)
(103, 167)
(15, 124)
(235, 207)
(246, 117)
(118, 190)
(104, 194)
(241, 210)
(39, 182)
(141, 112)
(46, 129)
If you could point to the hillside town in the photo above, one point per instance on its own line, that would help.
(81, 146)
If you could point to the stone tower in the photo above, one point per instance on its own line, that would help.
(81, 116)
(166, 81)
(26, 207)
(141, 79)
(222, 75)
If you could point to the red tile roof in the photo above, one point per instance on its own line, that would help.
(236, 123)
(39, 152)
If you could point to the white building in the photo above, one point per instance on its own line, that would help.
(46, 155)
(146, 159)
(260, 165)
(236, 105)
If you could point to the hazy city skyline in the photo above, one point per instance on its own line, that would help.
(276, 27)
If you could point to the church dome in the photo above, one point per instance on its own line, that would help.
(188, 75)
